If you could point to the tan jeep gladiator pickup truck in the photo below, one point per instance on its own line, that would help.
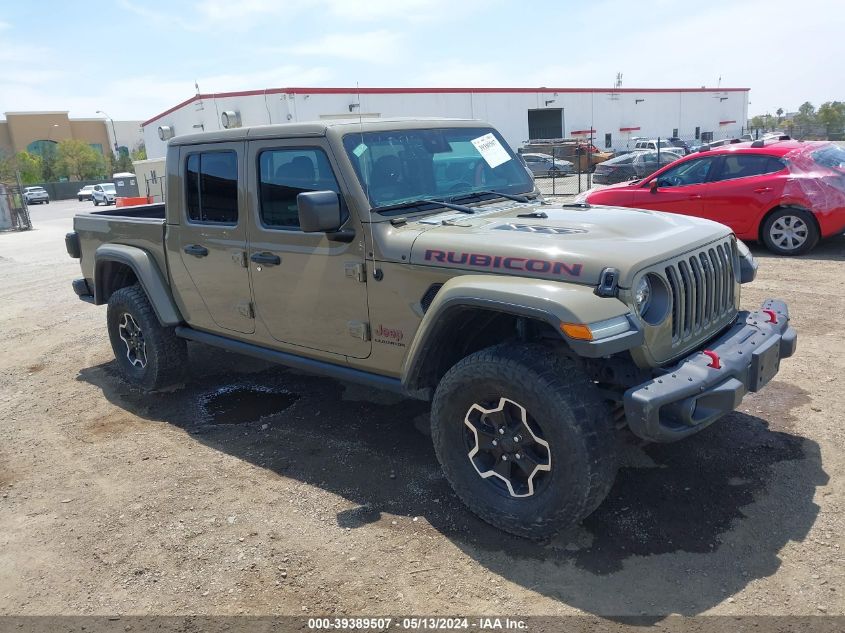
(417, 256)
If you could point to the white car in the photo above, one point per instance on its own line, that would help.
(36, 195)
(86, 193)
(104, 193)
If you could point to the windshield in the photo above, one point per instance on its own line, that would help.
(399, 166)
(108, 187)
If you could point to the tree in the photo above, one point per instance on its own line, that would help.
(806, 114)
(779, 112)
(140, 152)
(832, 115)
(76, 159)
(30, 167)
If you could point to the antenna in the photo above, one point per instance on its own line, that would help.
(618, 83)
(372, 244)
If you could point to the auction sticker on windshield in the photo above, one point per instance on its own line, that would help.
(491, 150)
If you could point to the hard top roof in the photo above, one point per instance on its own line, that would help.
(321, 128)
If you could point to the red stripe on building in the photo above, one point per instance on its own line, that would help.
(628, 129)
(726, 122)
(374, 91)
(583, 132)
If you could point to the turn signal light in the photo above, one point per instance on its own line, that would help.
(577, 331)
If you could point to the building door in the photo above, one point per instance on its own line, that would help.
(545, 123)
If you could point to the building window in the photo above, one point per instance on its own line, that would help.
(697, 133)
(608, 140)
(706, 137)
(212, 187)
(675, 132)
(97, 147)
(284, 174)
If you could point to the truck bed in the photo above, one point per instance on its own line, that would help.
(142, 226)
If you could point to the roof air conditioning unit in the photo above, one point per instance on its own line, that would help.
(230, 119)
(166, 132)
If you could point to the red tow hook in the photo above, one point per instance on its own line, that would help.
(773, 317)
(714, 359)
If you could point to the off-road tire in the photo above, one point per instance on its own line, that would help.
(165, 353)
(556, 392)
(812, 231)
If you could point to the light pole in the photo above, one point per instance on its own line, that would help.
(114, 133)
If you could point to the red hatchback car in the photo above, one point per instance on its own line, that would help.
(787, 194)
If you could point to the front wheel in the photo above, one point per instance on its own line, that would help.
(790, 232)
(149, 355)
(524, 439)
(94, 200)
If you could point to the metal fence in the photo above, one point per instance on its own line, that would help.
(14, 214)
(567, 167)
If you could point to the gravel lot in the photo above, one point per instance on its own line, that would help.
(259, 490)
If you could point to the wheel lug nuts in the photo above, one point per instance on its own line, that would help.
(516, 438)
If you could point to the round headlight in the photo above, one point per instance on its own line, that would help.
(642, 295)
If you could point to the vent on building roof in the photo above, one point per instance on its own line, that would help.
(230, 119)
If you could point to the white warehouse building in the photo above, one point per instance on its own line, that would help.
(610, 116)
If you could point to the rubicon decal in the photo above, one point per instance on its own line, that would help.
(498, 262)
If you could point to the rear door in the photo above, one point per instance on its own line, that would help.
(308, 290)
(743, 188)
(680, 188)
(213, 232)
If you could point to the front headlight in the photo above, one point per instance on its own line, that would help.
(642, 296)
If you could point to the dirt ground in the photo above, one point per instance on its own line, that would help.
(259, 490)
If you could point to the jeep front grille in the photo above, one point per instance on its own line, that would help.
(702, 287)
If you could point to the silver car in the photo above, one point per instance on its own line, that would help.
(104, 193)
(36, 195)
(546, 165)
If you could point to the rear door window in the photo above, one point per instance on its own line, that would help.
(211, 187)
(746, 165)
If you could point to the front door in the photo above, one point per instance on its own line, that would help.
(680, 188)
(213, 234)
(308, 290)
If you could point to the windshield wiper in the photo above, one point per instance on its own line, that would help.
(509, 196)
(418, 203)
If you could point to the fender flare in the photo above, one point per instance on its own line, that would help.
(549, 301)
(148, 274)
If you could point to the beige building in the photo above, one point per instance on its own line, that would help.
(33, 131)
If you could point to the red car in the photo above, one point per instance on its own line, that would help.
(786, 193)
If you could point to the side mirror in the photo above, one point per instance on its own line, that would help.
(319, 211)
(653, 186)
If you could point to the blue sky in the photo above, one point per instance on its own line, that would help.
(135, 58)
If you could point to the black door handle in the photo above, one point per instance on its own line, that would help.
(268, 259)
(196, 250)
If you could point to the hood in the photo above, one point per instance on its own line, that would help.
(571, 244)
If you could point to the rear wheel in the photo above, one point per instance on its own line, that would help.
(94, 200)
(149, 355)
(790, 232)
(524, 439)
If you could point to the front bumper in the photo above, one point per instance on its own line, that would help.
(695, 392)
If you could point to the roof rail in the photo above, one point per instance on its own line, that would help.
(784, 137)
(758, 143)
(704, 148)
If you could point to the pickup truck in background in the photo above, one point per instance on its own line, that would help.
(418, 256)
